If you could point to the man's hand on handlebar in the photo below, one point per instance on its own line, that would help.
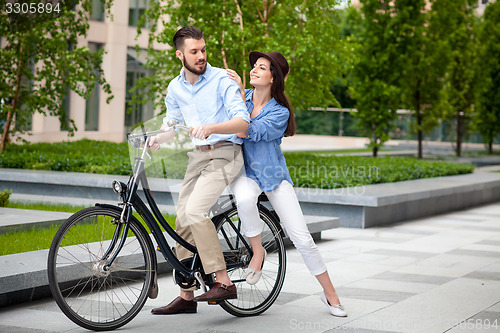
(156, 141)
(153, 143)
(201, 132)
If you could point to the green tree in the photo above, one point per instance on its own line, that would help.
(374, 85)
(422, 68)
(305, 32)
(488, 73)
(348, 27)
(457, 31)
(41, 61)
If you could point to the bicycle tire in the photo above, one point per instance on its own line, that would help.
(252, 299)
(87, 294)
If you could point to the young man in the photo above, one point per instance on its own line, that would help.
(209, 102)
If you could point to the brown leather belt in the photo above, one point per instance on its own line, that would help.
(216, 145)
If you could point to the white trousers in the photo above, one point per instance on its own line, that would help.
(285, 203)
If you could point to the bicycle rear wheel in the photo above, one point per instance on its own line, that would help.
(89, 295)
(252, 299)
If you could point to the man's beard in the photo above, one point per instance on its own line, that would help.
(194, 70)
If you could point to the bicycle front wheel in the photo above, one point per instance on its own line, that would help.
(87, 293)
(252, 299)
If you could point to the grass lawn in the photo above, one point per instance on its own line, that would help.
(34, 238)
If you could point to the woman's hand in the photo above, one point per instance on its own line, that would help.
(234, 76)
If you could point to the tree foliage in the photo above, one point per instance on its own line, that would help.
(422, 68)
(305, 32)
(488, 76)
(457, 32)
(41, 61)
(374, 85)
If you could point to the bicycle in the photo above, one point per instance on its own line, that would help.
(102, 263)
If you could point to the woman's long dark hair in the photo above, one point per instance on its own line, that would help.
(278, 93)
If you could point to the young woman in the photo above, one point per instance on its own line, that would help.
(265, 170)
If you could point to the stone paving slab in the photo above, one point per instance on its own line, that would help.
(15, 219)
(408, 277)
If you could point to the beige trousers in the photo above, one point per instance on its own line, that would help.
(207, 175)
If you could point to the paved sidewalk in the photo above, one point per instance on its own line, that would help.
(438, 274)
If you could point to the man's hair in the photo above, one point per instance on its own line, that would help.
(186, 32)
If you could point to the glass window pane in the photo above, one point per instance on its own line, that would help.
(92, 103)
(97, 11)
(135, 11)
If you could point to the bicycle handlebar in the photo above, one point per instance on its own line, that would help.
(146, 135)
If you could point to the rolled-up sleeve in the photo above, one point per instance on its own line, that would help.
(232, 100)
(270, 127)
(173, 110)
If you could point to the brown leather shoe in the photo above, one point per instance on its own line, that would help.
(217, 293)
(178, 305)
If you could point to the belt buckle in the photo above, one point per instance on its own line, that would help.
(204, 147)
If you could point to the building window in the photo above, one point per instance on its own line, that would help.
(136, 113)
(92, 103)
(135, 11)
(97, 11)
(24, 119)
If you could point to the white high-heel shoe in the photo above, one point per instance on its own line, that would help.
(336, 310)
(253, 276)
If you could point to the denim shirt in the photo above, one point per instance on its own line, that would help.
(264, 161)
(215, 98)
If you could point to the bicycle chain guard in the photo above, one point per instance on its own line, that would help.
(184, 282)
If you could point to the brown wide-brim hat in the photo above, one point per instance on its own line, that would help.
(276, 58)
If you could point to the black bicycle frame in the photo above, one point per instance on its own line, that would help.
(134, 200)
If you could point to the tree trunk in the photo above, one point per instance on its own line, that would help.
(5, 135)
(459, 135)
(490, 147)
(420, 135)
(240, 13)
(13, 108)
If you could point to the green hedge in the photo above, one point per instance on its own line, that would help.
(329, 171)
(314, 170)
(78, 156)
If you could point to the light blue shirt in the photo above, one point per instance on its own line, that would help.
(215, 98)
(264, 161)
